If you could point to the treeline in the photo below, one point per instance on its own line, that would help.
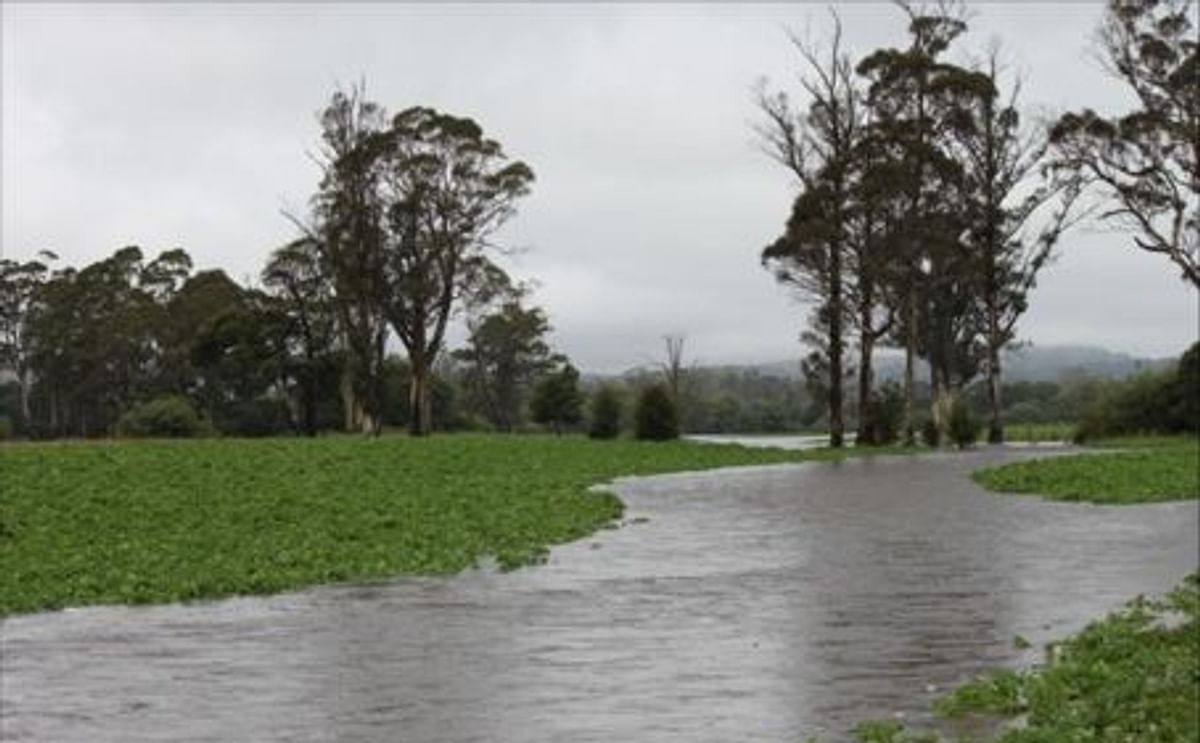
(150, 346)
(397, 244)
(927, 204)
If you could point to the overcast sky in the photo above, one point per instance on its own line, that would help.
(167, 125)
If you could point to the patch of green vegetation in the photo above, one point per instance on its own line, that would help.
(1038, 432)
(1159, 469)
(157, 521)
(1132, 676)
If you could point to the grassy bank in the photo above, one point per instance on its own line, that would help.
(1146, 470)
(156, 521)
(1132, 676)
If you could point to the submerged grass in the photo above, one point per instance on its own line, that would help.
(158, 521)
(1147, 470)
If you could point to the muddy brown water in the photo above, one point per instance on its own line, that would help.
(764, 604)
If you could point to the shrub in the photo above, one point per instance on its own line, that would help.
(963, 427)
(656, 417)
(262, 416)
(930, 433)
(606, 414)
(557, 400)
(171, 416)
(885, 415)
(1165, 401)
(6, 428)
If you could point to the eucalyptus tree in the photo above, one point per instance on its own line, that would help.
(348, 232)
(20, 283)
(445, 190)
(93, 343)
(912, 93)
(1145, 163)
(305, 300)
(816, 144)
(1014, 216)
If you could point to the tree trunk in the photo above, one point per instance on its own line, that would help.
(420, 409)
(937, 394)
(910, 359)
(866, 374)
(349, 403)
(23, 391)
(837, 426)
(995, 426)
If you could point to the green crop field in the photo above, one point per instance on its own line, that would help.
(1145, 470)
(156, 521)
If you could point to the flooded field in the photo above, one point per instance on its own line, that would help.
(747, 604)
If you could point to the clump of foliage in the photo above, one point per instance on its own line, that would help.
(557, 400)
(262, 416)
(606, 414)
(930, 433)
(1163, 471)
(157, 521)
(1130, 676)
(1153, 402)
(656, 416)
(885, 416)
(962, 427)
(6, 428)
(170, 416)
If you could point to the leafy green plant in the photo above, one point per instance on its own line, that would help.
(656, 416)
(963, 427)
(1165, 469)
(606, 414)
(930, 433)
(1131, 676)
(164, 417)
(154, 521)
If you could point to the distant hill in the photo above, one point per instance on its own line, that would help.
(1029, 364)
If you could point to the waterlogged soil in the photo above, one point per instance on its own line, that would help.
(767, 603)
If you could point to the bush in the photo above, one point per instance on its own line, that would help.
(6, 428)
(885, 415)
(171, 416)
(1152, 402)
(656, 417)
(606, 414)
(262, 416)
(963, 426)
(930, 433)
(557, 400)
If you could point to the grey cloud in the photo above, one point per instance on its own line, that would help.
(187, 125)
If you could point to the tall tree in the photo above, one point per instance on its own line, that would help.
(349, 233)
(446, 189)
(19, 286)
(910, 92)
(816, 145)
(1145, 163)
(1014, 219)
(303, 289)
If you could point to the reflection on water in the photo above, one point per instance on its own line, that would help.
(765, 604)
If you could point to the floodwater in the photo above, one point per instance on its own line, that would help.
(763, 604)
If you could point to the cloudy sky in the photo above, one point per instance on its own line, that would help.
(187, 125)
